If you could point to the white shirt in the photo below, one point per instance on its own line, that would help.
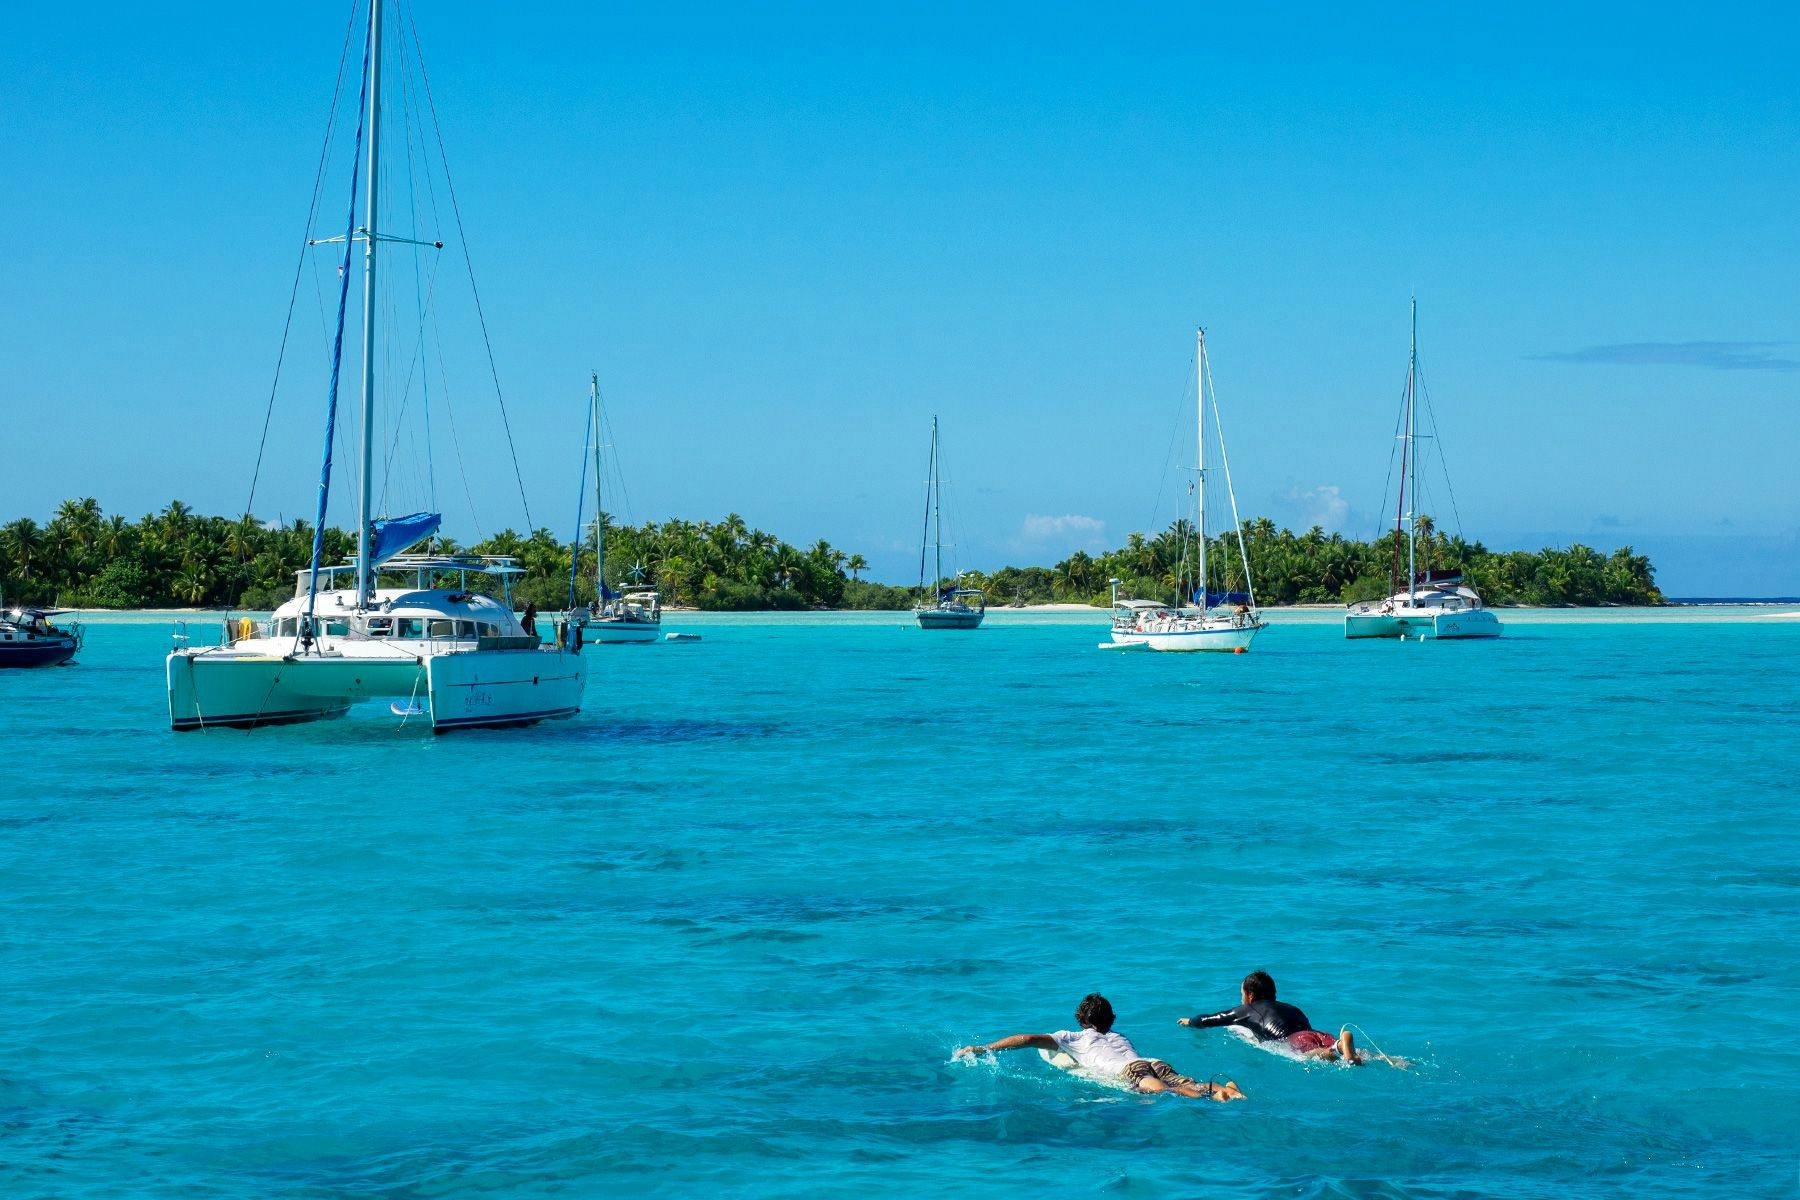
(1101, 1053)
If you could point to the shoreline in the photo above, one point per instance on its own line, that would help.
(1294, 614)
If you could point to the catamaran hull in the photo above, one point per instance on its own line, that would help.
(931, 618)
(512, 687)
(619, 633)
(462, 691)
(243, 691)
(1471, 623)
(1228, 641)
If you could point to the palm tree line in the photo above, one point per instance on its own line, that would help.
(176, 557)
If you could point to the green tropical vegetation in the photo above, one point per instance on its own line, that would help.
(85, 558)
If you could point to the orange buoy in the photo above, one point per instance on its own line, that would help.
(1239, 649)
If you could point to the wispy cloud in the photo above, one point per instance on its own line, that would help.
(1323, 506)
(1716, 356)
(1037, 528)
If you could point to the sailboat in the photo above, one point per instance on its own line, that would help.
(1224, 620)
(634, 613)
(1433, 604)
(466, 654)
(942, 606)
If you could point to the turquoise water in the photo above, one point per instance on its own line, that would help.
(721, 933)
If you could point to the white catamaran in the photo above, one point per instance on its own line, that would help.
(632, 614)
(942, 606)
(1225, 620)
(1433, 604)
(464, 654)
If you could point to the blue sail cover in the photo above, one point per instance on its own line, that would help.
(1214, 599)
(394, 534)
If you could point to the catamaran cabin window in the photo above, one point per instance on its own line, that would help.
(488, 629)
(409, 627)
(381, 627)
(287, 626)
(442, 628)
(465, 629)
(337, 628)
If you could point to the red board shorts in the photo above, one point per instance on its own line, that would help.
(1311, 1039)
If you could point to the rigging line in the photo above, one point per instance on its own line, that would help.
(462, 238)
(419, 292)
(413, 364)
(1169, 457)
(455, 441)
(1443, 459)
(318, 546)
(1225, 462)
(312, 211)
(1393, 452)
(587, 440)
(612, 442)
(925, 537)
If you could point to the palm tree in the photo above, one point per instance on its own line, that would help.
(23, 541)
(856, 564)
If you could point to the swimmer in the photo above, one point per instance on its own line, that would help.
(1096, 1048)
(1269, 1020)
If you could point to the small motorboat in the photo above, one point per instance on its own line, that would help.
(29, 639)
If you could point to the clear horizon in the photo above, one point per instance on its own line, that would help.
(786, 239)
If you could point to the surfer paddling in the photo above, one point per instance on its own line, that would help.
(1270, 1020)
(1097, 1048)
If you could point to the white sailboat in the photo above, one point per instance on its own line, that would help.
(942, 606)
(633, 614)
(1433, 604)
(1222, 621)
(464, 654)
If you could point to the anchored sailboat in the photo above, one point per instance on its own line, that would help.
(465, 653)
(1226, 619)
(941, 605)
(633, 613)
(1433, 604)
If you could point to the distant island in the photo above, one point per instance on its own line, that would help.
(86, 559)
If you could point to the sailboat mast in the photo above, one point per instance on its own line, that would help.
(1412, 433)
(1200, 455)
(599, 512)
(364, 565)
(937, 512)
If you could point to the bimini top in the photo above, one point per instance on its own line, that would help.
(1139, 605)
(479, 564)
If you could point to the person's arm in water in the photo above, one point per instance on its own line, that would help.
(1231, 1016)
(1018, 1041)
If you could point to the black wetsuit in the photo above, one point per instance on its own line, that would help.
(1268, 1020)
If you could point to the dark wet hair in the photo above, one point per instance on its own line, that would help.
(1095, 1012)
(1258, 986)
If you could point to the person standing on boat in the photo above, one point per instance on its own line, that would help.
(1270, 1020)
(1096, 1047)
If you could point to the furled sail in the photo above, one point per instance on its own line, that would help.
(391, 535)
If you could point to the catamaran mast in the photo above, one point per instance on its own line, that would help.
(1200, 454)
(1412, 433)
(364, 564)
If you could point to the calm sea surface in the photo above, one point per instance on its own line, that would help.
(720, 933)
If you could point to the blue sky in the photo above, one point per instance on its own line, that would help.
(786, 235)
